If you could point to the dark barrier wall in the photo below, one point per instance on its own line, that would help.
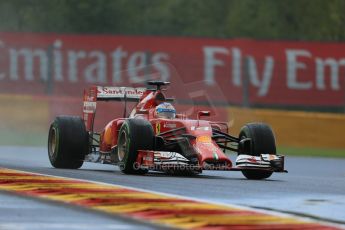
(235, 71)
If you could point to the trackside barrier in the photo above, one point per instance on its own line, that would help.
(298, 129)
(25, 116)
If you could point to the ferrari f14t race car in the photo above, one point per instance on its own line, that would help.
(153, 137)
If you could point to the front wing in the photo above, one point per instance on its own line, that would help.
(162, 161)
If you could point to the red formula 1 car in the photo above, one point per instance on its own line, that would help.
(154, 137)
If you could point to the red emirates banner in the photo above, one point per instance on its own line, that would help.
(235, 71)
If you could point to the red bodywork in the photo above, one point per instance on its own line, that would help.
(206, 148)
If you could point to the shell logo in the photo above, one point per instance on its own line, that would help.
(204, 139)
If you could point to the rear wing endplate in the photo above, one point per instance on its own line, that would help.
(106, 93)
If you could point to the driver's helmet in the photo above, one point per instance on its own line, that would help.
(165, 110)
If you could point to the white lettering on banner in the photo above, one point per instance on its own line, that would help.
(304, 70)
(211, 62)
(73, 57)
(236, 66)
(292, 66)
(264, 84)
(57, 61)
(159, 60)
(28, 55)
(96, 72)
(2, 74)
(334, 66)
(117, 57)
(136, 63)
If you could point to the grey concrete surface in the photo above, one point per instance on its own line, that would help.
(314, 187)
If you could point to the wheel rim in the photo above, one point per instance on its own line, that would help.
(122, 146)
(53, 142)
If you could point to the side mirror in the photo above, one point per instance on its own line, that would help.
(204, 114)
(143, 111)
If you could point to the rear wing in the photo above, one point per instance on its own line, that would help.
(106, 93)
(119, 93)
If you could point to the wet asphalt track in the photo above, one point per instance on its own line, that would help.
(314, 187)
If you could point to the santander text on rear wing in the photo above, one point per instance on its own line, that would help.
(106, 93)
(119, 93)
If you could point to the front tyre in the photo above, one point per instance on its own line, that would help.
(134, 135)
(67, 142)
(262, 141)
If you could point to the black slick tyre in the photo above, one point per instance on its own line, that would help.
(262, 142)
(67, 142)
(134, 135)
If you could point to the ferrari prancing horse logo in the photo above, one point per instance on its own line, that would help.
(158, 128)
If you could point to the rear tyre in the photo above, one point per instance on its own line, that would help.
(67, 142)
(262, 141)
(134, 135)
